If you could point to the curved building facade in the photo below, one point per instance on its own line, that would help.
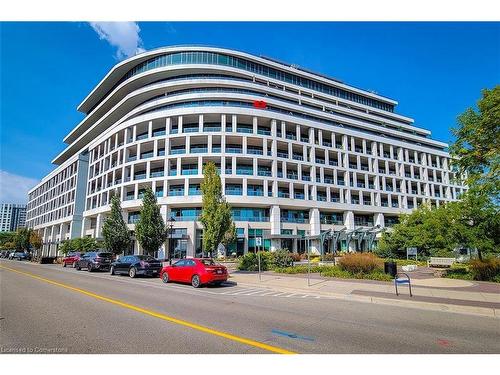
(298, 154)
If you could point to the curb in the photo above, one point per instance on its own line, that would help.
(459, 309)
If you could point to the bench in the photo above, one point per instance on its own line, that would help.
(440, 262)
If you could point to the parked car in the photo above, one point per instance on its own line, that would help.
(71, 259)
(134, 265)
(19, 255)
(5, 254)
(94, 261)
(196, 271)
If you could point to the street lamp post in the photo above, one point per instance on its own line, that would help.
(170, 226)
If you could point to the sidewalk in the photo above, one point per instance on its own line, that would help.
(460, 296)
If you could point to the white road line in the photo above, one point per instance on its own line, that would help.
(241, 292)
(256, 292)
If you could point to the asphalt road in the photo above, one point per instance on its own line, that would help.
(50, 309)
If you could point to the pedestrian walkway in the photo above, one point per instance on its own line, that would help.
(461, 296)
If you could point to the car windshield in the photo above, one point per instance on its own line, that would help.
(207, 262)
(145, 257)
(105, 255)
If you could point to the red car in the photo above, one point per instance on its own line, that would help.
(71, 259)
(196, 271)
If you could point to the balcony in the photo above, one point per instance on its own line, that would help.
(333, 162)
(328, 180)
(244, 171)
(283, 194)
(191, 129)
(353, 166)
(384, 204)
(172, 172)
(228, 171)
(176, 193)
(132, 158)
(159, 193)
(194, 191)
(216, 149)
(140, 176)
(306, 178)
(321, 198)
(291, 219)
(304, 139)
(292, 176)
(335, 199)
(234, 191)
(364, 168)
(360, 185)
(255, 192)
(141, 136)
(358, 149)
(327, 144)
(233, 150)
(264, 172)
(299, 195)
(192, 171)
(291, 136)
(254, 151)
(244, 129)
(147, 155)
(263, 131)
(156, 174)
(199, 149)
(320, 161)
(212, 129)
(177, 151)
(161, 152)
(159, 132)
(297, 157)
(282, 154)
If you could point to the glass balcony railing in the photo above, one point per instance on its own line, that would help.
(255, 193)
(174, 131)
(327, 144)
(320, 161)
(292, 176)
(299, 195)
(335, 199)
(174, 193)
(289, 219)
(306, 178)
(244, 171)
(140, 176)
(199, 150)
(189, 171)
(194, 191)
(283, 194)
(216, 149)
(263, 132)
(159, 133)
(234, 150)
(142, 136)
(264, 172)
(244, 130)
(172, 172)
(161, 152)
(156, 174)
(131, 158)
(129, 197)
(212, 128)
(159, 193)
(228, 171)
(234, 192)
(281, 154)
(147, 155)
(195, 129)
(291, 136)
(297, 157)
(177, 151)
(384, 204)
(328, 180)
(254, 151)
(304, 139)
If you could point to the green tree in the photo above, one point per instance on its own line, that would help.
(150, 229)
(477, 144)
(66, 247)
(114, 230)
(218, 226)
(6, 238)
(475, 223)
(35, 240)
(22, 239)
(80, 244)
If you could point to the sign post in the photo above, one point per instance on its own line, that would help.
(309, 262)
(258, 244)
(411, 251)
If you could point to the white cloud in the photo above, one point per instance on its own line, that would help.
(14, 188)
(122, 35)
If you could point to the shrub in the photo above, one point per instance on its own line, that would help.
(360, 263)
(329, 257)
(281, 258)
(296, 257)
(486, 270)
(302, 269)
(458, 271)
(249, 261)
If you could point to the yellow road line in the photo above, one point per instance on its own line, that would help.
(184, 323)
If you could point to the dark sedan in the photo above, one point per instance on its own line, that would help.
(95, 261)
(19, 255)
(134, 265)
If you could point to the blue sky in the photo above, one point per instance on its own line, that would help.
(434, 70)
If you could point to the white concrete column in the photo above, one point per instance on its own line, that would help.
(349, 220)
(275, 220)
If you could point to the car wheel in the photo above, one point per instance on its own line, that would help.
(195, 281)
(77, 266)
(164, 277)
(132, 272)
(112, 270)
(89, 267)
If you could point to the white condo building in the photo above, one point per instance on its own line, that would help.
(298, 154)
(12, 217)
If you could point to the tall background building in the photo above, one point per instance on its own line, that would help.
(12, 216)
(298, 153)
